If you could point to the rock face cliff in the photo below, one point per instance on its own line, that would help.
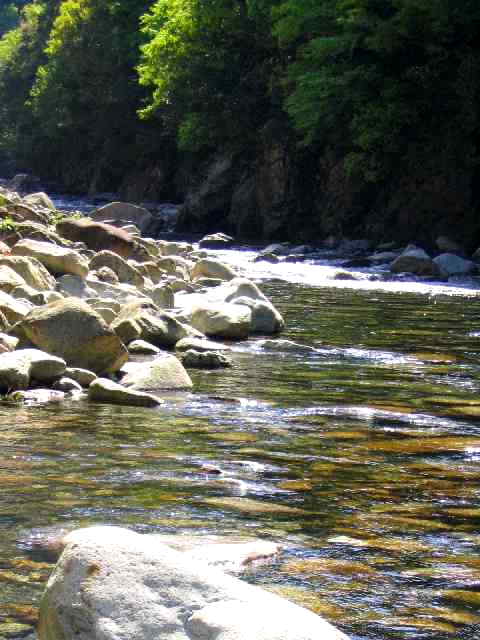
(277, 191)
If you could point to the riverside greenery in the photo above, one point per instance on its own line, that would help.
(384, 84)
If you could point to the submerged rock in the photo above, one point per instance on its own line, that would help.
(204, 359)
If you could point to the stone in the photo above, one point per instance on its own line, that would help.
(124, 270)
(18, 368)
(97, 236)
(121, 292)
(13, 310)
(142, 347)
(272, 258)
(7, 343)
(107, 313)
(123, 212)
(223, 320)
(175, 265)
(209, 268)
(163, 296)
(71, 329)
(265, 318)
(144, 321)
(415, 260)
(31, 270)
(39, 199)
(174, 248)
(67, 385)
(84, 377)
(105, 274)
(58, 260)
(111, 583)
(450, 264)
(164, 372)
(38, 397)
(216, 241)
(109, 303)
(149, 269)
(74, 286)
(9, 279)
(204, 360)
(197, 344)
(4, 324)
(107, 391)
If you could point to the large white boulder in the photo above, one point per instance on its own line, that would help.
(114, 584)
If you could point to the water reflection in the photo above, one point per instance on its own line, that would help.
(360, 457)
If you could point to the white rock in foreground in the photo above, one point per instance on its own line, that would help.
(114, 584)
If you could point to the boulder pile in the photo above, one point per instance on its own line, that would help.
(83, 298)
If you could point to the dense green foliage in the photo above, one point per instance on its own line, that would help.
(91, 89)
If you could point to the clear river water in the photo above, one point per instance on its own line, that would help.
(358, 450)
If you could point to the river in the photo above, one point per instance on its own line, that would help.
(358, 450)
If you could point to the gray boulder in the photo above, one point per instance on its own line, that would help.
(18, 368)
(164, 372)
(450, 264)
(107, 391)
(123, 212)
(140, 320)
(71, 329)
(58, 260)
(197, 344)
(124, 270)
(415, 260)
(13, 309)
(216, 241)
(192, 359)
(208, 268)
(222, 319)
(114, 584)
(84, 377)
(142, 347)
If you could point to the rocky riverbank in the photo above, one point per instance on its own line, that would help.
(80, 295)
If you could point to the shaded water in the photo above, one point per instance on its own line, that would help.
(362, 456)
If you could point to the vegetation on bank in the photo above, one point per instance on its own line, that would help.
(91, 90)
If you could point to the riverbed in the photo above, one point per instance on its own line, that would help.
(358, 450)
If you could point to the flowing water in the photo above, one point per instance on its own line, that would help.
(358, 450)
